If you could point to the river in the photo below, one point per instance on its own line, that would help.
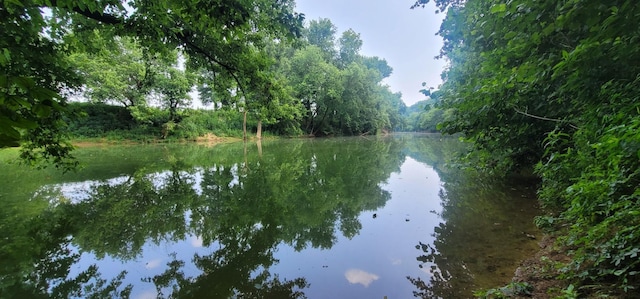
(313, 218)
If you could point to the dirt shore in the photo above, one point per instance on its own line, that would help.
(208, 139)
(540, 271)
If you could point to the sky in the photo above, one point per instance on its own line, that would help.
(390, 30)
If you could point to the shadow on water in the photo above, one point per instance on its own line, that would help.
(219, 216)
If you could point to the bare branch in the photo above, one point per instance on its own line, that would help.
(545, 118)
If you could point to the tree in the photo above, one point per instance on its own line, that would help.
(269, 104)
(378, 64)
(318, 85)
(350, 44)
(322, 34)
(119, 71)
(217, 88)
(223, 36)
(173, 87)
(395, 108)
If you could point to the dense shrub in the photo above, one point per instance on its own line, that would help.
(97, 119)
(595, 183)
(557, 82)
(148, 123)
(224, 123)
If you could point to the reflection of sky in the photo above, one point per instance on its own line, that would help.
(356, 276)
(76, 192)
(153, 261)
(384, 252)
(373, 264)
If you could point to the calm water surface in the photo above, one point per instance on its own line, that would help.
(331, 218)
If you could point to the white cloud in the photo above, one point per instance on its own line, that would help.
(361, 277)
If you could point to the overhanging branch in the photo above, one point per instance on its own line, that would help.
(545, 118)
(183, 36)
(100, 17)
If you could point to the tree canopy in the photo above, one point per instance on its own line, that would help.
(226, 37)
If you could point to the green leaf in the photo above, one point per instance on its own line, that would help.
(510, 35)
(10, 4)
(549, 29)
(499, 8)
(8, 141)
(5, 57)
(7, 129)
(42, 110)
(23, 83)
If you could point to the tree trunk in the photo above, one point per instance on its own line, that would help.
(259, 144)
(244, 125)
(259, 130)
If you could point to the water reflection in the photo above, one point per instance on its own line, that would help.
(483, 234)
(360, 277)
(280, 219)
(238, 209)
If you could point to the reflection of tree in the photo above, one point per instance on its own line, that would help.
(434, 150)
(483, 220)
(119, 218)
(297, 192)
(228, 271)
(42, 267)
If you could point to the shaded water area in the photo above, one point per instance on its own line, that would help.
(321, 218)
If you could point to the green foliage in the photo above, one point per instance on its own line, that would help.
(149, 123)
(32, 70)
(98, 119)
(426, 116)
(173, 87)
(509, 291)
(116, 70)
(219, 36)
(340, 90)
(322, 34)
(350, 45)
(223, 123)
(557, 84)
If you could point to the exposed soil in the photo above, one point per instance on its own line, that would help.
(540, 270)
(212, 139)
(98, 142)
(208, 139)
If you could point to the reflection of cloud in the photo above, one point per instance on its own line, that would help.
(196, 241)
(358, 276)
(153, 264)
(396, 261)
(148, 295)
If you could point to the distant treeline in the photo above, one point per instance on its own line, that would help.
(114, 122)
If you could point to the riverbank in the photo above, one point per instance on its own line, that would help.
(537, 276)
(540, 271)
(205, 139)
